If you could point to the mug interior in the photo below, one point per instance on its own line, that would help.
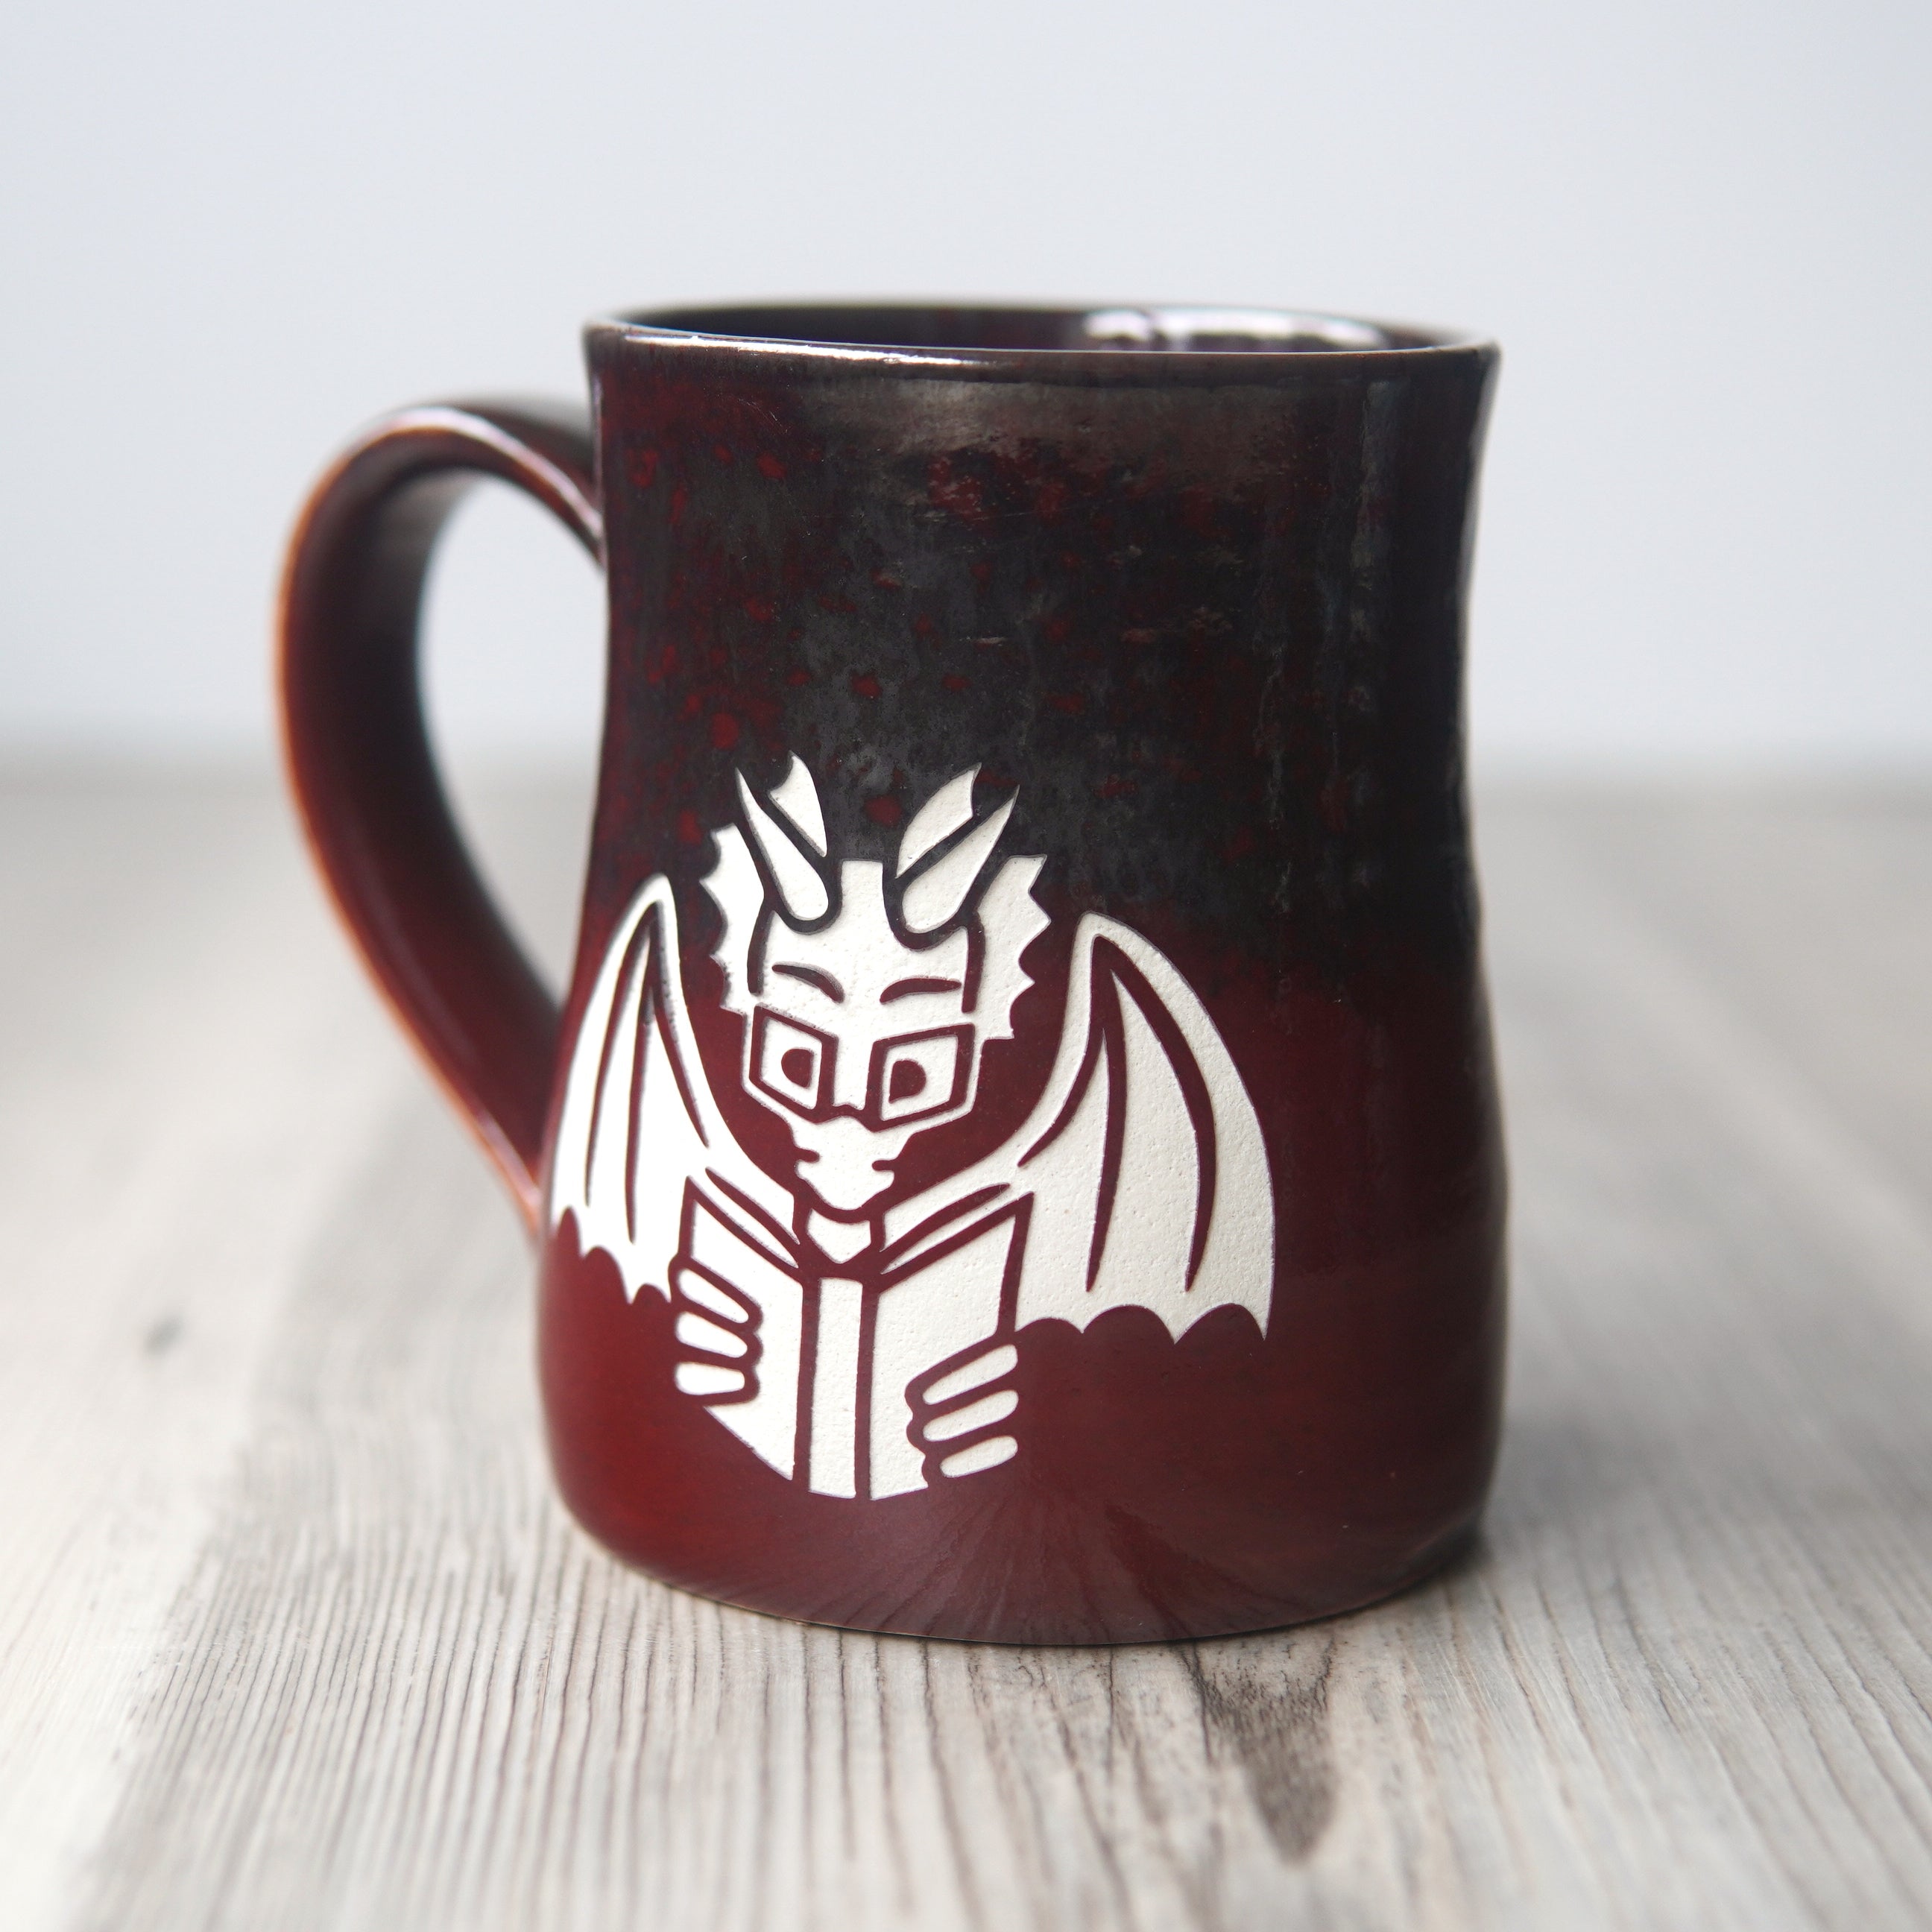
(1197, 330)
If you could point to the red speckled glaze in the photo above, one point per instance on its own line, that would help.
(1019, 1158)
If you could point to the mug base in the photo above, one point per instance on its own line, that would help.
(1043, 1628)
(1162, 1489)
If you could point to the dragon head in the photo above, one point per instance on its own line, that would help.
(868, 992)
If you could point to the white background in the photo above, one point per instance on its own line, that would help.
(230, 231)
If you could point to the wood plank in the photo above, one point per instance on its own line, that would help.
(184, 1054)
(363, 1671)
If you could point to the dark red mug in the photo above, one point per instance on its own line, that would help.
(1019, 1157)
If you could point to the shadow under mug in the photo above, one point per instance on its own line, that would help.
(1018, 1158)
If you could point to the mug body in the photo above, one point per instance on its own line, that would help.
(1023, 1159)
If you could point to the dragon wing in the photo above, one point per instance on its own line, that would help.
(1143, 1158)
(639, 1119)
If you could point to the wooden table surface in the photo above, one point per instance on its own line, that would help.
(293, 1634)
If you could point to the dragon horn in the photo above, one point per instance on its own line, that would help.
(950, 808)
(934, 898)
(801, 888)
(797, 797)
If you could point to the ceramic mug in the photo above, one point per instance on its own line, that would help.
(1018, 1158)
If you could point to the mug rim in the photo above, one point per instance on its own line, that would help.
(1144, 337)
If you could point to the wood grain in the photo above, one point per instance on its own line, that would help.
(293, 1633)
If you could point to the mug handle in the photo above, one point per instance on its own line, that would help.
(358, 754)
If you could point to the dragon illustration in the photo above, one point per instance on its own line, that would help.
(864, 1347)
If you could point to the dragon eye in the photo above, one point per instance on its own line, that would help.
(918, 1075)
(790, 1061)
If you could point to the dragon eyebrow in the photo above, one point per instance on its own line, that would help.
(904, 989)
(812, 976)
